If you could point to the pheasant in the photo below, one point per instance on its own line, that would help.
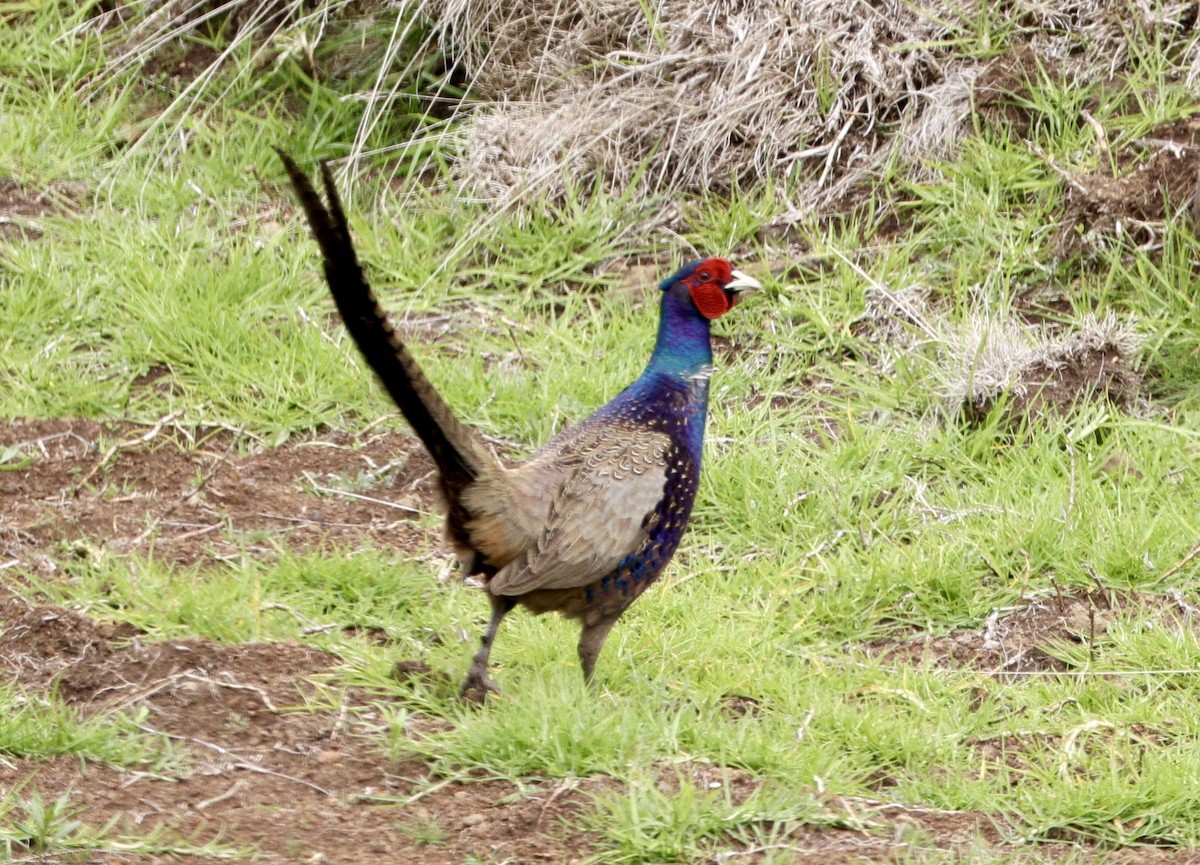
(587, 523)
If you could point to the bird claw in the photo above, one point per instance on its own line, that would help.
(477, 687)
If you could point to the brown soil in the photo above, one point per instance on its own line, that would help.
(261, 765)
(1020, 640)
(1060, 385)
(1139, 185)
(178, 64)
(20, 207)
(1155, 180)
(192, 495)
(261, 770)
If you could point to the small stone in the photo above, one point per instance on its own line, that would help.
(324, 758)
(462, 795)
(473, 820)
(1121, 465)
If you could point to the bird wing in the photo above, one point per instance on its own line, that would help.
(603, 511)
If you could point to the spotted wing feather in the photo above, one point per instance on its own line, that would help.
(603, 512)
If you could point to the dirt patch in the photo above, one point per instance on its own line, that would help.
(1015, 640)
(263, 771)
(266, 770)
(1070, 374)
(988, 361)
(177, 65)
(264, 766)
(20, 207)
(264, 800)
(38, 643)
(1002, 91)
(191, 495)
(1139, 185)
(1156, 178)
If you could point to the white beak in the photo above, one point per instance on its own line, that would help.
(742, 282)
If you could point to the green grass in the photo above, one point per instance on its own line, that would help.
(40, 727)
(33, 829)
(35, 727)
(852, 512)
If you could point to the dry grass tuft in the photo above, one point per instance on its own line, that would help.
(667, 95)
(711, 94)
(993, 358)
(684, 95)
(1036, 369)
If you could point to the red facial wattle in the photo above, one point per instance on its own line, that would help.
(710, 300)
(707, 285)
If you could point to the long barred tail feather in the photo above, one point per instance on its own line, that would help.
(459, 452)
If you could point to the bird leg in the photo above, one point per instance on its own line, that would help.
(591, 641)
(478, 682)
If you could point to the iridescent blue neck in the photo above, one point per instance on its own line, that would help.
(683, 348)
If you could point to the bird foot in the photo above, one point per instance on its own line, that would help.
(477, 687)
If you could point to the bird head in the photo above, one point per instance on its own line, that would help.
(714, 285)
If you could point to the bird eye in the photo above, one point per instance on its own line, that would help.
(705, 276)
